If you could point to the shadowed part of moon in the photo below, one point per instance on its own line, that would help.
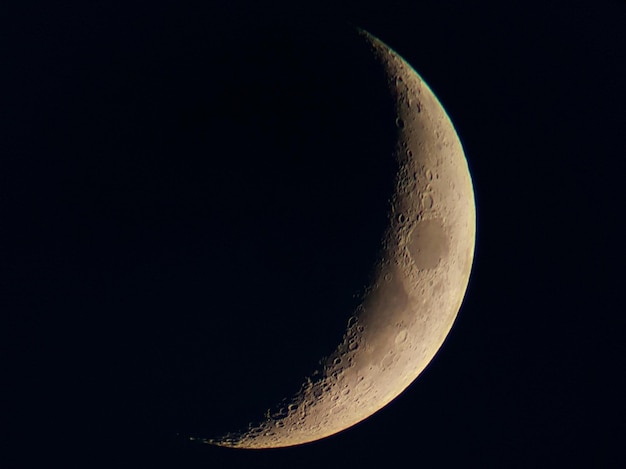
(428, 244)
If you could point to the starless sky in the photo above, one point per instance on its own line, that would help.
(104, 369)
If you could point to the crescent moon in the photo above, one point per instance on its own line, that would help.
(421, 279)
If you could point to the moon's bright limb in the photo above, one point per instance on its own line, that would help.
(421, 280)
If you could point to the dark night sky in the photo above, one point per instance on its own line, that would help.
(161, 266)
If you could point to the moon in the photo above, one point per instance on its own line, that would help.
(421, 278)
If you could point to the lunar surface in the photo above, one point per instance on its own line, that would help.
(421, 279)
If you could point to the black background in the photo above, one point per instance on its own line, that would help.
(192, 197)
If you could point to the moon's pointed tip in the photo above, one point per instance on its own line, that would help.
(363, 32)
(208, 441)
(372, 40)
(223, 442)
